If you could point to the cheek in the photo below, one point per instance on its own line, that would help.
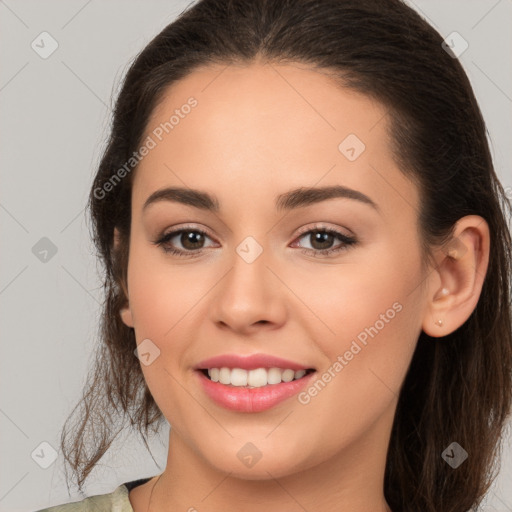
(163, 300)
(161, 293)
(350, 297)
(369, 313)
(367, 360)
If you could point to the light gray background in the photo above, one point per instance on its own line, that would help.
(54, 121)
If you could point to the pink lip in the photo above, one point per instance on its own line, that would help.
(243, 399)
(249, 362)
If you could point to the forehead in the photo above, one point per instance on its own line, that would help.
(268, 127)
(261, 99)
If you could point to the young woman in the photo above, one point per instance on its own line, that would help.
(307, 267)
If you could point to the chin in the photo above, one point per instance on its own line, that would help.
(261, 467)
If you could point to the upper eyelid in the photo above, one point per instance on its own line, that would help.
(319, 226)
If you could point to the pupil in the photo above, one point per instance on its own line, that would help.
(322, 237)
(189, 239)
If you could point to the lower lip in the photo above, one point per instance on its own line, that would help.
(243, 399)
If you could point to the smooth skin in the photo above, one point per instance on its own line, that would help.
(259, 131)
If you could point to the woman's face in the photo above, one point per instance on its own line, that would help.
(259, 280)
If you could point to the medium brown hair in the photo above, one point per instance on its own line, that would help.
(459, 387)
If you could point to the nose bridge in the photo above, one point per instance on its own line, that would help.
(247, 280)
(247, 294)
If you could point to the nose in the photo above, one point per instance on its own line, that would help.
(249, 297)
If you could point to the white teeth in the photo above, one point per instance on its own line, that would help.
(239, 377)
(256, 378)
(300, 373)
(288, 375)
(274, 375)
(253, 378)
(225, 376)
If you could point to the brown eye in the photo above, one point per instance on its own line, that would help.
(183, 242)
(191, 240)
(321, 241)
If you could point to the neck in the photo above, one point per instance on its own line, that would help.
(351, 480)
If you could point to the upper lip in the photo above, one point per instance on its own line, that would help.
(250, 362)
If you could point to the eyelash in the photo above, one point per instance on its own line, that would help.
(347, 242)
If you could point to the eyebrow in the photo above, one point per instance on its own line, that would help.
(296, 198)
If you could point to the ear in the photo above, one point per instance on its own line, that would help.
(454, 286)
(125, 312)
(126, 316)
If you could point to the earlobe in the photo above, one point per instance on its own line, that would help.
(126, 316)
(125, 312)
(456, 282)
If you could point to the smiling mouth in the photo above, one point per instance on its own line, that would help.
(256, 378)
